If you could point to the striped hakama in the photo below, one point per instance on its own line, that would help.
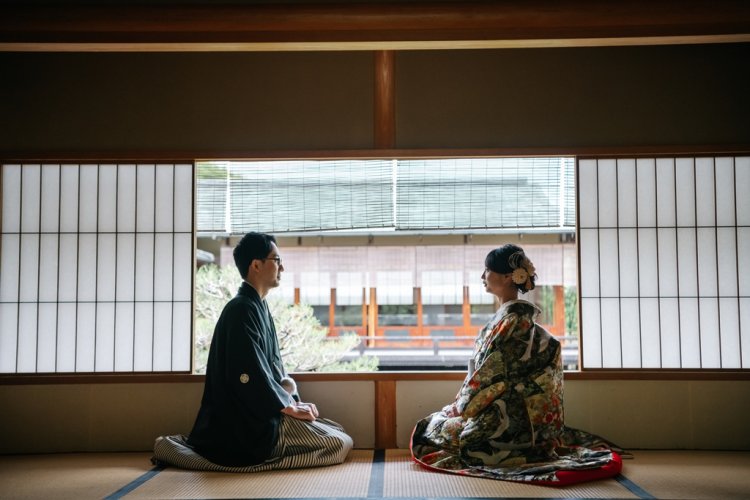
(301, 444)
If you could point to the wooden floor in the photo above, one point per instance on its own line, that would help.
(366, 474)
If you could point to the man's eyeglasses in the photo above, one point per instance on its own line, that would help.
(277, 259)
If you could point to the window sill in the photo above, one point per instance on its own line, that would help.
(160, 378)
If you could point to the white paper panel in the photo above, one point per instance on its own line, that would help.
(47, 346)
(68, 198)
(125, 289)
(478, 295)
(145, 204)
(68, 270)
(183, 268)
(88, 266)
(183, 198)
(727, 259)
(182, 350)
(745, 330)
(589, 245)
(646, 192)
(126, 198)
(609, 265)
(48, 268)
(105, 337)
(707, 279)
(124, 324)
(743, 258)
(144, 324)
(91, 204)
(626, 194)
(144, 272)
(650, 334)
(685, 190)
(690, 333)
(107, 200)
(665, 192)
(285, 291)
(628, 266)
(315, 288)
(591, 333)
(11, 199)
(443, 294)
(164, 197)
(686, 255)
(667, 262)
(611, 333)
(725, 189)
(163, 336)
(607, 193)
(8, 334)
(631, 333)
(742, 180)
(729, 316)
(349, 286)
(50, 198)
(27, 340)
(66, 337)
(30, 203)
(670, 333)
(29, 286)
(705, 192)
(648, 271)
(163, 265)
(86, 337)
(9, 253)
(106, 267)
(587, 194)
(709, 333)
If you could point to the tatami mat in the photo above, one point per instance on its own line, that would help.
(403, 478)
(350, 479)
(692, 474)
(366, 475)
(70, 475)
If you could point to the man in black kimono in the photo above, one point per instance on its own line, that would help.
(247, 417)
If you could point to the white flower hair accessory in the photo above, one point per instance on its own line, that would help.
(523, 270)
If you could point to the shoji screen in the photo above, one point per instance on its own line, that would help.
(96, 268)
(665, 262)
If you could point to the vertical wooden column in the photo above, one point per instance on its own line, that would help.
(385, 414)
(559, 309)
(385, 100)
(332, 313)
(466, 311)
(372, 318)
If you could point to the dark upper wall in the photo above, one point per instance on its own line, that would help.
(582, 97)
(220, 103)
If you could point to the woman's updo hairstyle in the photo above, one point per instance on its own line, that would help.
(511, 259)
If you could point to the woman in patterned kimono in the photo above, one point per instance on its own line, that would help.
(507, 419)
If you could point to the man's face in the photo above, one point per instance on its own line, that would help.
(270, 271)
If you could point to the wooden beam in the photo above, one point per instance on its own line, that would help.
(227, 27)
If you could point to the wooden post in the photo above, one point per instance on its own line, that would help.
(385, 100)
(385, 414)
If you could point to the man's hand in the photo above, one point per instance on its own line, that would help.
(313, 409)
(301, 411)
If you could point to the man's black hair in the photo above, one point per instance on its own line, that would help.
(252, 246)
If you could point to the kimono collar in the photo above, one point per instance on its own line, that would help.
(504, 309)
(249, 291)
(520, 302)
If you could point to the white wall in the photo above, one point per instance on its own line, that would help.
(636, 414)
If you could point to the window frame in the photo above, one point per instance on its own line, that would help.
(579, 153)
